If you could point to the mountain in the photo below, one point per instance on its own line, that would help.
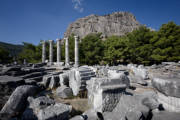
(117, 23)
(14, 50)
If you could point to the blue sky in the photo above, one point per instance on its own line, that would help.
(33, 20)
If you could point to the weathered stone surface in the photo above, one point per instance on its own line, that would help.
(117, 23)
(35, 105)
(54, 82)
(104, 93)
(139, 71)
(11, 81)
(30, 82)
(171, 104)
(18, 100)
(164, 115)
(28, 114)
(7, 85)
(102, 71)
(11, 70)
(149, 99)
(58, 111)
(64, 92)
(64, 79)
(78, 117)
(40, 102)
(78, 78)
(46, 80)
(129, 108)
(91, 115)
(118, 76)
(137, 79)
(167, 85)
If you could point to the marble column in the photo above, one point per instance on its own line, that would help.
(43, 51)
(76, 51)
(67, 52)
(58, 50)
(51, 52)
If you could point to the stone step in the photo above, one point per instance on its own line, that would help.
(83, 71)
(32, 75)
(87, 77)
(87, 73)
(37, 79)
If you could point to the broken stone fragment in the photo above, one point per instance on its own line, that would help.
(171, 104)
(64, 79)
(54, 82)
(105, 93)
(18, 100)
(130, 107)
(40, 102)
(64, 92)
(165, 115)
(139, 71)
(35, 105)
(78, 78)
(58, 111)
(46, 80)
(137, 79)
(170, 86)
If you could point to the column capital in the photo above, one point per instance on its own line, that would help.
(42, 41)
(50, 40)
(66, 38)
(58, 39)
(76, 36)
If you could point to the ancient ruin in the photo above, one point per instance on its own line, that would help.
(124, 92)
(54, 90)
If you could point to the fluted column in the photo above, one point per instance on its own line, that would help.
(51, 52)
(43, 51)
(76, 51)
(67, 52)
(58, 50)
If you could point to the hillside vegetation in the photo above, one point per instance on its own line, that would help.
(142, 46)
(9, 51)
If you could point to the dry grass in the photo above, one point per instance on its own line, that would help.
(79, 105)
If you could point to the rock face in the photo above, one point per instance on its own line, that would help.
(117, 23)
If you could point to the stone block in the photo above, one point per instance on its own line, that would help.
(18, 100)
(64, 92)
(58, 111)
(170, 86)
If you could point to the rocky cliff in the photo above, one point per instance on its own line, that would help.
(117, 23)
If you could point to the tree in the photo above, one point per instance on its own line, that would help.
(114, 49)
(166, 43)
(31, 53)
(91, 49)
(4, 56)
(138, 45)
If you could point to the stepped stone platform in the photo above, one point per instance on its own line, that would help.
(132, 92)
(78, 78)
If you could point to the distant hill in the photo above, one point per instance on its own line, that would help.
(14, 50)
(118, 23)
